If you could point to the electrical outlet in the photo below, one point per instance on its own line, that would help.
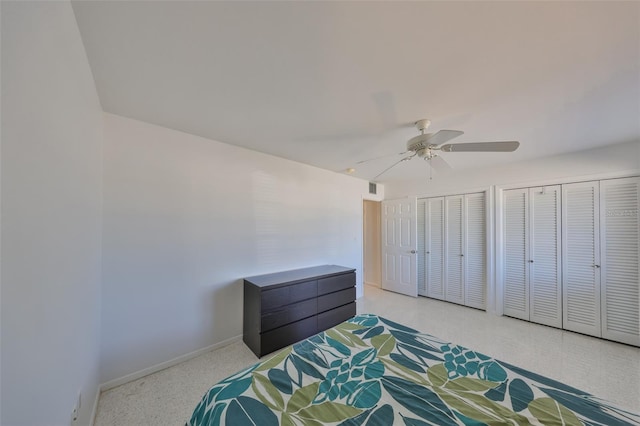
(76, 410)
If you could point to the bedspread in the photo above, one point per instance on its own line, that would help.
(373, 371)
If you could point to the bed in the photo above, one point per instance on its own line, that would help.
(373, 371)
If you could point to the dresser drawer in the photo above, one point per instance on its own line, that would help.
(339, 298)
(336, 316)
(282, 296)
(284, 336)
(335, 283)
(288, 314)
(282, 308)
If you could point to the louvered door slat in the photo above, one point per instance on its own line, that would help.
(545, 261)
(475, 251)
(581, 257)
(454, 276)
(434, 254)
(620, 224)
(516, 219)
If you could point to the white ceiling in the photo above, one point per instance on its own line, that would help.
(331, 83)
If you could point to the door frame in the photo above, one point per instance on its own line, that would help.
(379, 235)
(369, 197)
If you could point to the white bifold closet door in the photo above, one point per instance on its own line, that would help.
(454, 246)
(572, 255)
(581, 257)
(475, 251)
(455, 257)
(434, 247)
(620, 255)
(532, 255)
(516, 253)
(545, 265)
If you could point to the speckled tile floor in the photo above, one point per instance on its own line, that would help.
(606, 369)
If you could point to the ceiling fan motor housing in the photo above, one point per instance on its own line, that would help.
(419, 145)
(423, 124)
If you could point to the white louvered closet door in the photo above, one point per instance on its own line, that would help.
(454, 275)
(516, 253)
(434, 247)
(581, 258)
(620, 224)
(545, 286)
(420, 244)
(475, 251)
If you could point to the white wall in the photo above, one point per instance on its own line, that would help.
(612, 160)
(51, 217)
(186, 218)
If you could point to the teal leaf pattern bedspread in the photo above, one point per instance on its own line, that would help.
(373, 371)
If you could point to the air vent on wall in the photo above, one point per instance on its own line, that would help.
(373, 187)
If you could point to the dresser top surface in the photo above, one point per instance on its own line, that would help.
(295, 275)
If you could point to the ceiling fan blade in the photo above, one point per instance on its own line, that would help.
(439, 164)
(508, 146)
(442, 136)
(392, 166)
(382, 156)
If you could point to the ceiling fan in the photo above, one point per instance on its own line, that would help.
(426, 145)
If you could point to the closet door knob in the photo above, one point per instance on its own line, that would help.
(531, 261)
(596, 266)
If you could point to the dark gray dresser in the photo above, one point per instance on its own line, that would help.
(286, 307)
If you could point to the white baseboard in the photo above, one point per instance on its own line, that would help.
(154, 369)
(373, 284)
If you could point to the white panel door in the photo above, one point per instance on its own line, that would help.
(475, 251)
(619, 237)
(454, 246)
(434, 247)
(545, 285)
(516, 253)
(399, 266)
(581, 258)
